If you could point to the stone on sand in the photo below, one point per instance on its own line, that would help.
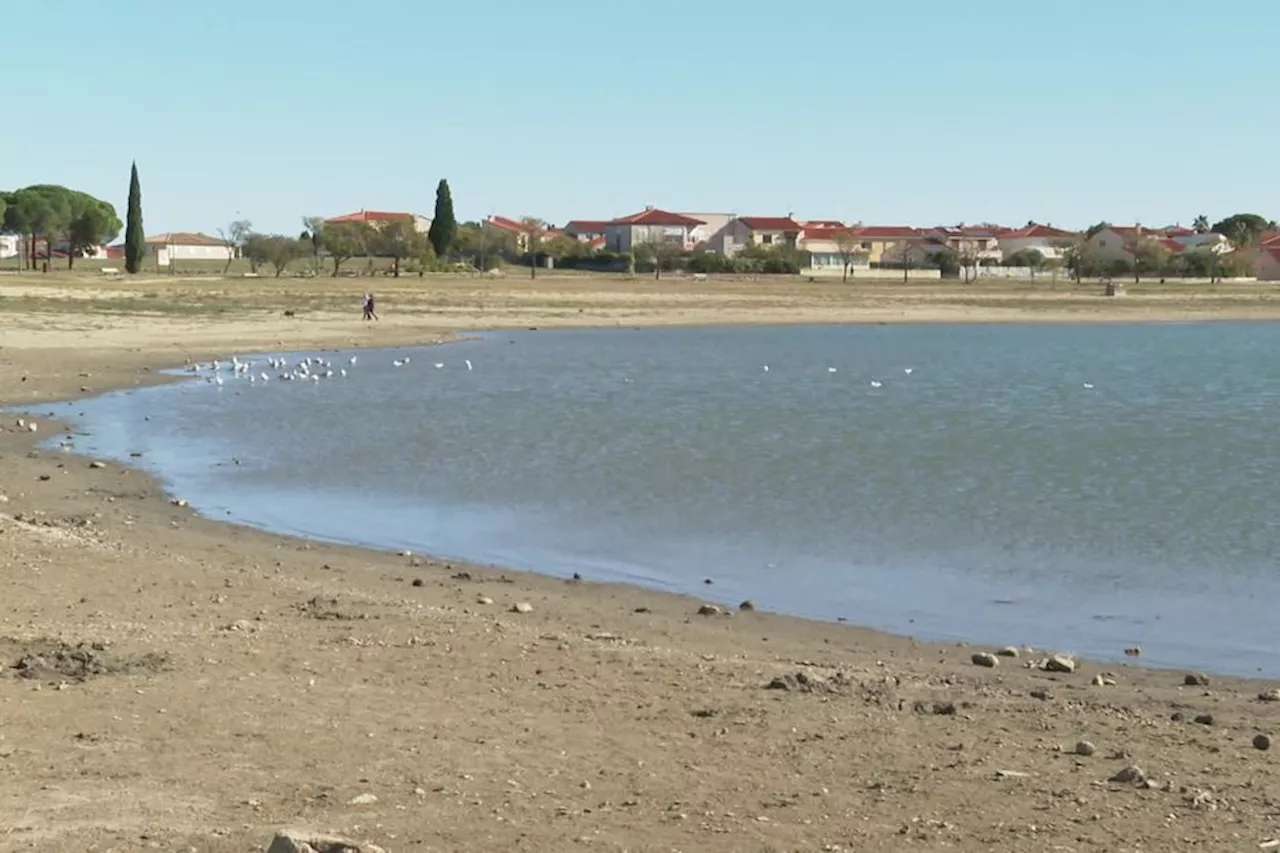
(985, 659)
(1009, 652)
(1058, 663)
(1085, 748)
(522, 607)
(1130, 775)
(1195, 679)
(305, 841)
(710, 610)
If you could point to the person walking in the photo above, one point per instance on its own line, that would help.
(369, 312)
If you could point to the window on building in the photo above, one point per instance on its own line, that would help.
(766, 238)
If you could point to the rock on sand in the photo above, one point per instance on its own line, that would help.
(305, 841)
(985, 659)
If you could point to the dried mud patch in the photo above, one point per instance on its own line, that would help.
(54, 660)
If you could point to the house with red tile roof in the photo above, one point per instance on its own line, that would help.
(421, 224)
(521, 230)
(1117, 242)
(586, 230)
(180, 246)
(650, 225)
(743, 231)
(1050, 242)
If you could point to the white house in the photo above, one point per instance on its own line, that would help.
(824, 244)
(1048, 241)
(650, 225)
(188, 246)
(10, 246)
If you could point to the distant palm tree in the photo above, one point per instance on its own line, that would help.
(1201, 225)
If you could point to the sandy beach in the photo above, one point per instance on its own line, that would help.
(171, 683)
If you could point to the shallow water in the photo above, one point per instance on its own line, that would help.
(987, 495)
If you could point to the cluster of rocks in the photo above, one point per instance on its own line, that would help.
(305, 841)
(803, 682)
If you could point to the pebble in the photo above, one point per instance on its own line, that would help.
(1272, 695)
(178, 502)
(1129, 775)
(985, 659)
(406, 553)
(96, 464)
(484, 599)
(522, 607)
(1085, 748)
(1262, 742)
(417, 582)
(363, 800)
(1058, 663)
(1204, 719)
(747, 605)
(33, 427)
(709, 610)
(1104, 680)
(1195, 679)
(1008, 652)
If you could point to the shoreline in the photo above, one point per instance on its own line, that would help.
(698, 753)
(177, 374)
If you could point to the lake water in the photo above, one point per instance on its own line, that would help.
(987, 495)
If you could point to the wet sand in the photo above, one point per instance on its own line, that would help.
(190, 685)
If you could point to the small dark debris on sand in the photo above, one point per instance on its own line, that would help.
(54, 660)
(326, 609)
(802, 682)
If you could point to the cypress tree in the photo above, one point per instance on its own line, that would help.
(443, 225)
(134, 238)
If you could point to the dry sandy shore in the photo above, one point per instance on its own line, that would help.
(170, 683)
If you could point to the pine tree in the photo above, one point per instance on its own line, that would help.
(134, 238)
(443, 225)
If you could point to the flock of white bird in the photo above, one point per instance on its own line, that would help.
(311, 368)
(314, 368)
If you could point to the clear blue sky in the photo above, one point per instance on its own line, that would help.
(889, 113)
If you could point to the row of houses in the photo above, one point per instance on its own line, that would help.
(829, 244)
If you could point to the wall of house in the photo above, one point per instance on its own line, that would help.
(9, 245)
(191, 253)
(624, 238)
(1110, 246)
(876, 274)
(701, 234)
(1010, 245)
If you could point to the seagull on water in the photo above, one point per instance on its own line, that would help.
(765, 368)
(351, 360)
(831, 370)
(397, 363)
(439, 365)
(876, 383)
(908, 370)
(1088, 386)
(467, 361)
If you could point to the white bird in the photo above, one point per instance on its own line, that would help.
(908, 370)
(328, 374)
(831, 370)
(406, 359)
(766, 368)
(439, 365)
(397, 363)
(1088, 386)
(352, 360)
(217, 380)
(217, 365)
(343, 371)
(467, 362)
(265, 377)
(875, 383)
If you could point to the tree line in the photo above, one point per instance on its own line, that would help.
(64, 220)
